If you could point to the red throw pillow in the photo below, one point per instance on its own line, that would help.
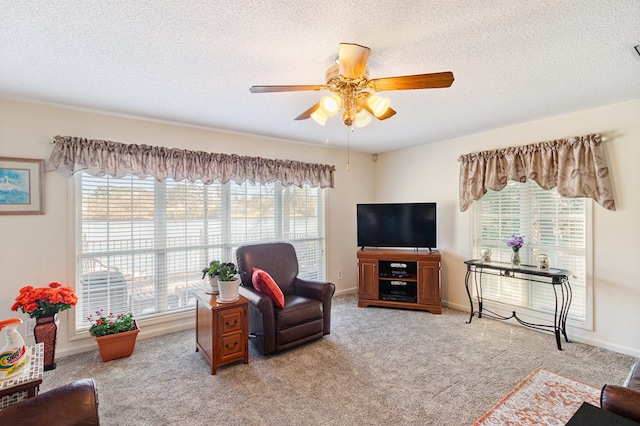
(263, 282)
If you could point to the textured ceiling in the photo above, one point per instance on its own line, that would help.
(193, 62)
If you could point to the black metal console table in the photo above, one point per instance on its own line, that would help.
(558, 278)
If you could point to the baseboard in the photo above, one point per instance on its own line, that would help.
(148, 329)
(346, 291)
(578, 336)
(456, 306)
(575, 334)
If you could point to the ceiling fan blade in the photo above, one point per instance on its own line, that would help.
(293, 88)
(352, 59)
(308, 112)
(408, 82)
(389, 113)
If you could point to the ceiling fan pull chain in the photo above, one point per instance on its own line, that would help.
(349, 130)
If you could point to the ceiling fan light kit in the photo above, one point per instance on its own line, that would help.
(319, 117)
(352, 91)
(327, 107)
(331, 104)
(362, 119)
(379, 106)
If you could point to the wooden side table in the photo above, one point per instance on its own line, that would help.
(25, 385)
(222, 330)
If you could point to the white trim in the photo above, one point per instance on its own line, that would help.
(313, 233)
(574, 334)
(586, 321)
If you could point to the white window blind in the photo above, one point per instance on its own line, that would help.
(551, 225)
(142, 244)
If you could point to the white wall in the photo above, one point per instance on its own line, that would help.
(430, 173)
(38, 249)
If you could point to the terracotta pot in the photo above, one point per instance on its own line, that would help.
(46, 331)
(121, 345)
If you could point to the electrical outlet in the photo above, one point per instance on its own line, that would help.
(340, 274)
(30, 326)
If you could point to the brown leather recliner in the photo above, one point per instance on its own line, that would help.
(624, 400)
(306, 314)
(69, 405)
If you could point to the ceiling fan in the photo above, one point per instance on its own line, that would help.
(352, 91)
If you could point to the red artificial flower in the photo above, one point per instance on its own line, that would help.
(55, 298)
(45, 301)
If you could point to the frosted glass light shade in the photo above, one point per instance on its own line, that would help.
(331, 104)
(319, 117)
(362, 118)
(378, 105)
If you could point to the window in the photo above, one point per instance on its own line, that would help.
(142, 244)
(552, 225)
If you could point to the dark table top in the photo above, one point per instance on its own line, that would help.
(589, 415)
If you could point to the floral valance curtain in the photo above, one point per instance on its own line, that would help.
(576, 166)
(100, 158)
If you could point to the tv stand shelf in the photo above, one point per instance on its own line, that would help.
(399, 278)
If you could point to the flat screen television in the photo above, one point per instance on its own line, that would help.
(411, 225)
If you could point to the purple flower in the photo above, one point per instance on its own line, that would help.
(515, 242)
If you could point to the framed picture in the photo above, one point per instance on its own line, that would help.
(21, 181)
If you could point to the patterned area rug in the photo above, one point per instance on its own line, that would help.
(543, 398)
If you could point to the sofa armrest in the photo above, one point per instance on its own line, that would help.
(257, 298)
(318, 290)
(622, 401)
(261, 318)
(72, 404)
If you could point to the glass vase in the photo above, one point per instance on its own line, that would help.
(515, 258)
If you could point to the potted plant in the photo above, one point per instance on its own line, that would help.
(228, 282)
(115, 334)
(43, 304)
(212, 271)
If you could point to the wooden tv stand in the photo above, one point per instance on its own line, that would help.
(403, 278)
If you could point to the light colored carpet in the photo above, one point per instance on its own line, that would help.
(378, 366)
(541, 399)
